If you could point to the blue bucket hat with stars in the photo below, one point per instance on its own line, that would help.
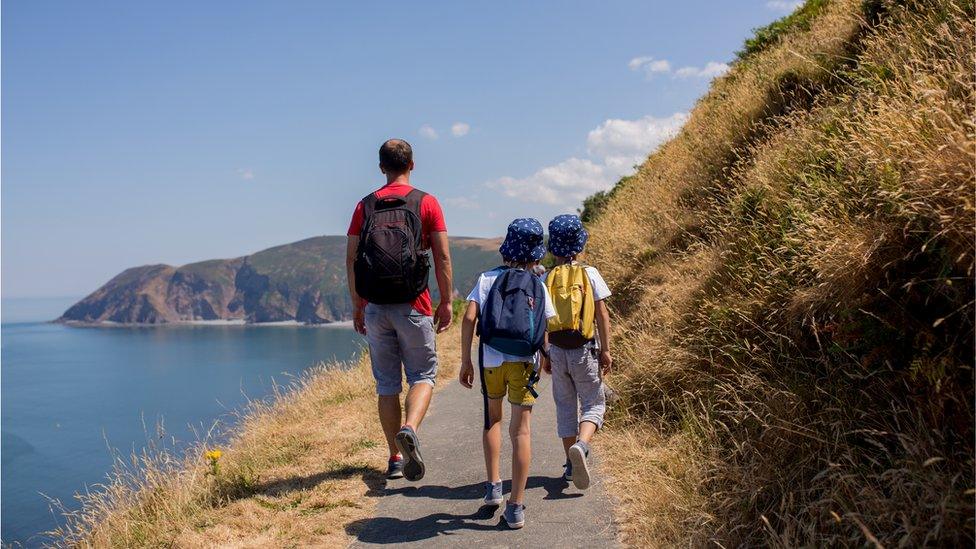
(567, 237)
(524, 241)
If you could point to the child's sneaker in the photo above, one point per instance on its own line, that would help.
(493, 493)
(577, 459)
(394, 467)
(514, 515)
(568, 470)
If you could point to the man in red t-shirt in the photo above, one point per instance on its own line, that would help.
(403, 333)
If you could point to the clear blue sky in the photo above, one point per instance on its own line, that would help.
(170, 132)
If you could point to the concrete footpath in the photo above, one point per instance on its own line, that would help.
(444, 509)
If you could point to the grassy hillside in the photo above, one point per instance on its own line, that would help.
(793, 279)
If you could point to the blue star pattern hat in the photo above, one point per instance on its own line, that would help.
(523, 242)
(567, 237)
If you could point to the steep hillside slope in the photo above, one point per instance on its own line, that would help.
(303, 281)
(793, 279)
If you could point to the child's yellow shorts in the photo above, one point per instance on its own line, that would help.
(513, 375)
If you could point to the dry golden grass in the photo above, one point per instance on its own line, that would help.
(794, 294)
(294, 472)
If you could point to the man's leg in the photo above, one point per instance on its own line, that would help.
(416, 336)
(419, 354)
(384, 356)
(391, 418)
(418, 400)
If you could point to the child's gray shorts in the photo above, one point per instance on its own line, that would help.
(576, 388)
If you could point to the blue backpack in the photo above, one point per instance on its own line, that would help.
(513, 319)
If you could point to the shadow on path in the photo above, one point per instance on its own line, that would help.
(279, 487)
(554, 487)
(384, 530)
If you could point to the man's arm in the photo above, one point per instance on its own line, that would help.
(445, 279)
(466, 375)
(358, 315)
(603, 329)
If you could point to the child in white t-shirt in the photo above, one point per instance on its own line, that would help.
(577, 362)
(506, 374)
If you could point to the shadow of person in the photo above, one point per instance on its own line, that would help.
(437, 491)
(278, 487)
(389, 530)
(554, 487)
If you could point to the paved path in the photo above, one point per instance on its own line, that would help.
(444, 509)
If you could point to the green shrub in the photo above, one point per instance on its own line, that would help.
(799, 20)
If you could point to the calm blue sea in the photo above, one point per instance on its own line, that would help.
(68, 395)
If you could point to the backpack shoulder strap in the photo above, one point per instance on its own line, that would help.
(369, 205)
(369, 208)
(415, 199)
(503, 270)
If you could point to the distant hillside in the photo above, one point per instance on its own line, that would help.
(304, 281)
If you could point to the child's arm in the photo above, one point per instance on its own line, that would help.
(603, 328)
(466, 375)
(544, 361)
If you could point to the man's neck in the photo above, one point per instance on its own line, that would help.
(400, 179)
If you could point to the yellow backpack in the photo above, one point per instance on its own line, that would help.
(572, 296)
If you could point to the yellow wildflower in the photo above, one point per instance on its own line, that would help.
(212, 456)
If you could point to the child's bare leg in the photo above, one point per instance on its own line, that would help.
(586, 431)
(567, 442)
(520, 432)
(492, 439)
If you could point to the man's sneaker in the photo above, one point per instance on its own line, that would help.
(493, 493)
(577, 459)
(568, 470)
(514, 515)
(409, 445)
(394, 468)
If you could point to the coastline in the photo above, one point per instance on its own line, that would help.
(286, 477)
(233, 322)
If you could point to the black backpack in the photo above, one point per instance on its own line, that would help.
(391, 264)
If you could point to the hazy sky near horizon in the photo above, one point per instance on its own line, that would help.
(173, 132)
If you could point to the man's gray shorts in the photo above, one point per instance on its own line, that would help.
(398, 334)
(577, 388)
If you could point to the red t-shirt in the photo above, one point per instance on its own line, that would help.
(431, 220)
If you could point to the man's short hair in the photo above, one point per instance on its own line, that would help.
(396, 156)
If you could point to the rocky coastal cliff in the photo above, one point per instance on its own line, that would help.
(304, 281)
